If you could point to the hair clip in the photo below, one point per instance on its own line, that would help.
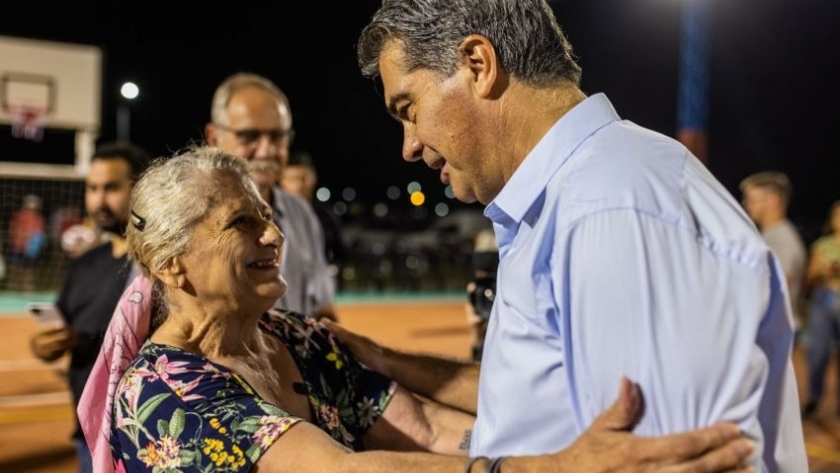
(138, 221)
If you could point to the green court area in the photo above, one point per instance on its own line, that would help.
(14, 303)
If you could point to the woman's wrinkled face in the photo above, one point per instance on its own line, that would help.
(234, 253)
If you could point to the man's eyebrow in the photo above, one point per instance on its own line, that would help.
(392, 103)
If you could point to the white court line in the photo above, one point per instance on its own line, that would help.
(34, 400)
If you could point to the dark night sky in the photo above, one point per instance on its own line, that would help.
(774, 80)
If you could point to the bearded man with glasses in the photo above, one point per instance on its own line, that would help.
(251, 119)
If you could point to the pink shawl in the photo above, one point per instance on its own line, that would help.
(127, 331)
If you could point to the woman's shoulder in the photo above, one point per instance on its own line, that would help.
(305, 337)
(176, 408)
(291, 326)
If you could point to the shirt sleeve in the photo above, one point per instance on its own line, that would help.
(694, 323)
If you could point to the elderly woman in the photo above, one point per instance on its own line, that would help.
(224, 383)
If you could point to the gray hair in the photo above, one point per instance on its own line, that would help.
(233, 84)
(171, 198)
(525, 34)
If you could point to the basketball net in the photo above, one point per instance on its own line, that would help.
(28, 122)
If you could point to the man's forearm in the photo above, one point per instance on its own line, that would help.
(449, 382)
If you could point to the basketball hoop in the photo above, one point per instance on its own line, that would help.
(28, 122)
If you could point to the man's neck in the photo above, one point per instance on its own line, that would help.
(771, 221)
(119, 246)
(517, 106)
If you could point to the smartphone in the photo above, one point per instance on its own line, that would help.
(47, 314)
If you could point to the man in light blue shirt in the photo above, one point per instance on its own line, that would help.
(638, 263)
(620, 254)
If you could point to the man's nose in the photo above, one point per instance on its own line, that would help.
(97, 198)
(412, 149)
(266, 148)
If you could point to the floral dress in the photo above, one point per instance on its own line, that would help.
(175, 411)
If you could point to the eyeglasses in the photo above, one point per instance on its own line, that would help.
(251, 136)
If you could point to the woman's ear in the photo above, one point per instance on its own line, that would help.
(172, 274)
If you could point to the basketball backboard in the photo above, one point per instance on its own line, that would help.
(53, 86)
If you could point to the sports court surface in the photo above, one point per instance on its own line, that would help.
(35, 411)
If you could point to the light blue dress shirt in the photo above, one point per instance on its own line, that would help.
(621, 255)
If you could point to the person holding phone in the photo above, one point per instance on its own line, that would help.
(96, 279)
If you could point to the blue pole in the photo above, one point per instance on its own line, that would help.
(693, 99)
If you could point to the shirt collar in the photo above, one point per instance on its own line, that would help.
(553, 150)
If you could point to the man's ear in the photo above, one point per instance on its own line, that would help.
(211, 134)
(479, 55)
(173, 274)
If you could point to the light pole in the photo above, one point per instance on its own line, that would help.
(129, 92)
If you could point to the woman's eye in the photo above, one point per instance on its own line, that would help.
(239, 221)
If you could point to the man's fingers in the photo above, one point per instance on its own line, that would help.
(51, 344)
(53, 332)
(731, 456)
(365, 349)
(49, 339)
(686, 446)
(333, 327)
(343, 334)
(339, 331)
(624, 412)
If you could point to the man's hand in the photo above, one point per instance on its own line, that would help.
(609, 446)
(326, 312)
(366, 350)
(51, 344)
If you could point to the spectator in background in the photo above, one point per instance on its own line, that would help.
(300, 178)
(96, 279)
(251, 119)
(766, 196)
(62, 219)
(481, 291)
(28, 239)
(822, 281)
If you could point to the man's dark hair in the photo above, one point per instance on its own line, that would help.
(301, 158)
(134, 155)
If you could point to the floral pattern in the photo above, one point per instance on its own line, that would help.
(176, 412)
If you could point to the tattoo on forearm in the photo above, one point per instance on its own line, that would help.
(465, 443)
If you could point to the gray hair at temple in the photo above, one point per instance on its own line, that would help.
(529, 42)
(235, 83)
(173, 196)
